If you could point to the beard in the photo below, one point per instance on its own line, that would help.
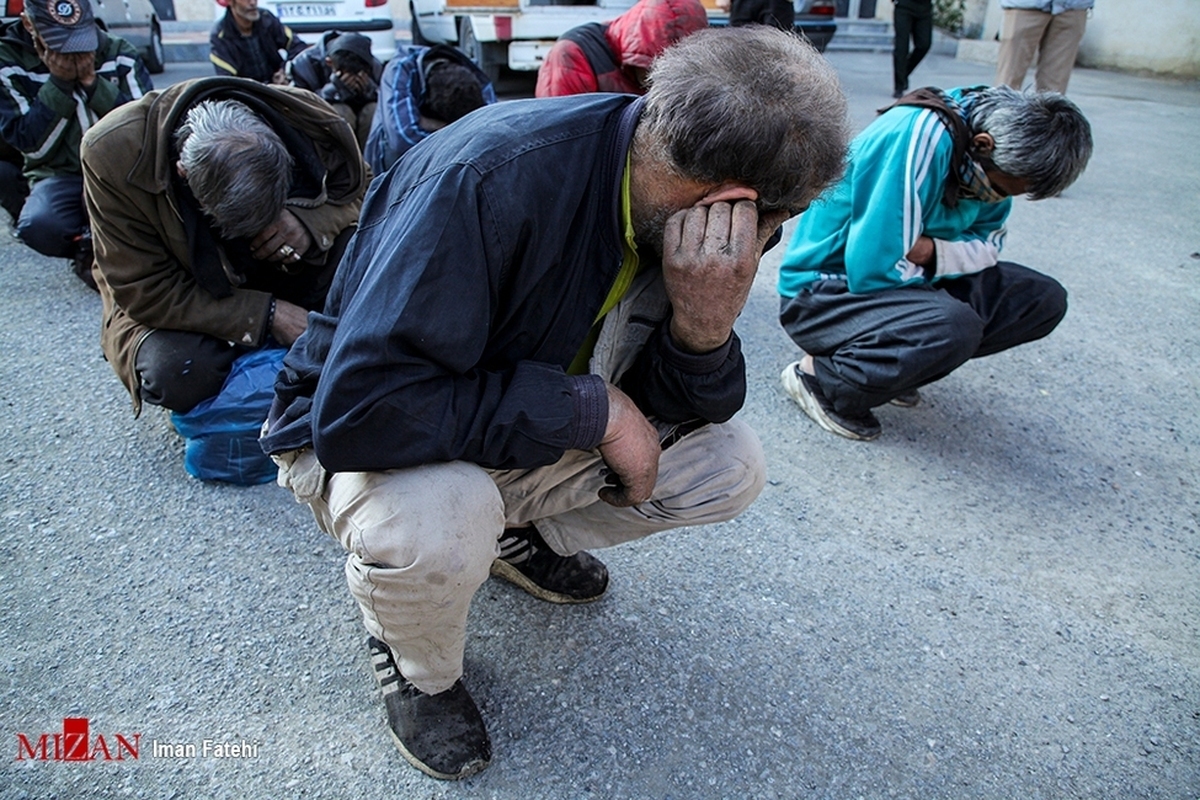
(649, 227)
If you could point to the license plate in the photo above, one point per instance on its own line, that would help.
(286, 11)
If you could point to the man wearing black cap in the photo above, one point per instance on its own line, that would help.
(342, 70)
(62, 75)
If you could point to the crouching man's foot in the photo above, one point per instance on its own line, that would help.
(442, 734)
(804, 389)
(907, 399)
(528, 562)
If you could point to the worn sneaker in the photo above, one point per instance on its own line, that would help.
(805, 390)
(527, 561)
(909, 399)
(442, 734)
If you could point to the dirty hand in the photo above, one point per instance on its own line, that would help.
(630, 448)
(353, 81)
(289, 322)
(284, 241)
(85, 68)
(61, 65)
(710, 257)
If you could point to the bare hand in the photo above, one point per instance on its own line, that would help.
(284, 241)
(923, 252)
(289, 322)
(85, 68)
(630, 448)
(353, 81)
(710, 257)
(61, 65)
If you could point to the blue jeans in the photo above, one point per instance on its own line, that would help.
(53, 216)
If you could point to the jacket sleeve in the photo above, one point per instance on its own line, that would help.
(402, 382)
(127, 79)
(284, 39)
(222, 53)
(893, 179)
(565, 71)
(676, 386)
(29, 125)
(976, 248)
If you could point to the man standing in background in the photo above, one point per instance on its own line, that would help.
(1051, 29)
(913, 20)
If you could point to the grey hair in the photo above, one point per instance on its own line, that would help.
(1040, 136)
(750, 104)
(236, 165)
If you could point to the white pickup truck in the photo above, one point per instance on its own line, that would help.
(512, 33)
(518, 33)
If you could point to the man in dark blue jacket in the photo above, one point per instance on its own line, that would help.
(528, 350)
(245, 43)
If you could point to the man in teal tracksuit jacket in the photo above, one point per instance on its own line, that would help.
(893, 279)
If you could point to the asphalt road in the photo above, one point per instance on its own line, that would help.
(996, 599)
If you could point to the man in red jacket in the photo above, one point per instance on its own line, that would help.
(615, 56)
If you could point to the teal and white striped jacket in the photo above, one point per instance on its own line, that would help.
(862, 227)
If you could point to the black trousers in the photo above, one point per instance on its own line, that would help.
(914, 25)
(869, 348)
(178, 369)
(53, 216)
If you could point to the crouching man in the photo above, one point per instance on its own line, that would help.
(528, 351)
(219, 209)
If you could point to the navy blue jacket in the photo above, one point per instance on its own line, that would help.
(480, 262)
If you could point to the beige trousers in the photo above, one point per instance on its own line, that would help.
(422, 540)
(1054, 38)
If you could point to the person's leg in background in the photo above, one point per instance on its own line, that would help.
(54, 216)
(13, 186)
(1020, 34)
(903, 22)
(178, 369)
(1059, 47)
(922, 40)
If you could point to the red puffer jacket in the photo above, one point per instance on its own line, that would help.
(613, 56)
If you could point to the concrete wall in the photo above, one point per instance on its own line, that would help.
(1162, 36)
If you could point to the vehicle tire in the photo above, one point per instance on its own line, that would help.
(154, 55)
(476, 50)
(415, 29)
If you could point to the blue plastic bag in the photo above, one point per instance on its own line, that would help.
(222, 431)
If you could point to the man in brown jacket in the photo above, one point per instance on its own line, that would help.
(219, 208)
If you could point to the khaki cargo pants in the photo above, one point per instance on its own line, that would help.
(421, 540)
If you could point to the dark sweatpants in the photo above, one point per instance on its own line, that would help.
(869, 348)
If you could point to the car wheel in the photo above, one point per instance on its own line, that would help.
(154, 55)
(473, 49)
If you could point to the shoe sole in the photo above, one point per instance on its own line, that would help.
(467, 771)
(810, 406)
(899, 403)
(505, 571)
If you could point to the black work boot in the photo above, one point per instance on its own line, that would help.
(441, 734)
(528, 562)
